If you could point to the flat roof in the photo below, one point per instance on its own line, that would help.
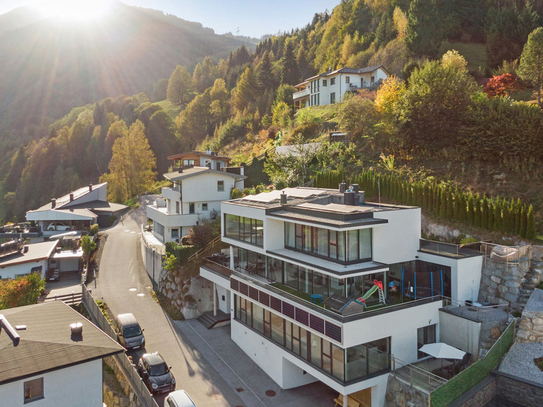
(34, 252)
(68, 254)
(195, 171)
(47, 344)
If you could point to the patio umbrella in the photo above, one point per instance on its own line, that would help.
(441, 350)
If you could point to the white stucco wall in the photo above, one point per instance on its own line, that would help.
(465, 274)
(398, 240)
(79, 385)
(24, 268)
(97, 194)
(203, 188)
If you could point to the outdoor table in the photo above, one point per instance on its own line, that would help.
(315, 297)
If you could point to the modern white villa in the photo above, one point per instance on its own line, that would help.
(323, 286)
(195, 196)
(331, 86)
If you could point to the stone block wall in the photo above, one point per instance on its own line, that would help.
(401, 394)
(528, 394)
(112, 398)
(531, 322)
(192, 296)
(479, 395)
(501, 281)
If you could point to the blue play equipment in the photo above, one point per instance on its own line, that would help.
(406, 291)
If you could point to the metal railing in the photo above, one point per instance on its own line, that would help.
(506, 254)
(69, 299)
(128, 368)
(414, 375)
(473, 312)
(199, 253)
(447, 249)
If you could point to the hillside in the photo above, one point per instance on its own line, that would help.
(50, 66)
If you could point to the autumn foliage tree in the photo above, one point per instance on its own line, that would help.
(501, 85)
(132, 165)
(21, 291)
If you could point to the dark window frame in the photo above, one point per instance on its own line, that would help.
(30, 398)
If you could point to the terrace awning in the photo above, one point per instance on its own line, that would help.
(441, 350)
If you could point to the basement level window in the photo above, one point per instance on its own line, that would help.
(33, 390)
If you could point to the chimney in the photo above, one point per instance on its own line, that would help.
(53, 203)
(283, 198)
(180, 170)
(71, 197)
(342, 187)
(9, 330)
(76, 328)
(90, 187)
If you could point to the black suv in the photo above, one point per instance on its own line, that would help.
(155, 373)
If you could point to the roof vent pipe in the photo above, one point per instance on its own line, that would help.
(71, 197)
(76, 328)
(342, 187)
(9, 330)
(283, 198)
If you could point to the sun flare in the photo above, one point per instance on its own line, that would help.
(75, 9)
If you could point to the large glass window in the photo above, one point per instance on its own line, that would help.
(291, 275)
(425, 335)
(244, 229)
(33, 390)
(344, 364)
(350, 247)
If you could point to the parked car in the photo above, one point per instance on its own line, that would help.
(52, 275)
(178, 398)
(129, 331)
(155, 373)
(58, 226)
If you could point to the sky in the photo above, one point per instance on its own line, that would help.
(252, 18)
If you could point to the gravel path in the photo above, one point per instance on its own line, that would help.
(520, 361)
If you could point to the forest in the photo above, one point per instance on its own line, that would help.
(436, 119)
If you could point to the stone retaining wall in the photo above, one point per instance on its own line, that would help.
(529, 394)
(401, 394)
(192, 296)
(531, 323)
(478, 395)
(501, 281)
(112, 398)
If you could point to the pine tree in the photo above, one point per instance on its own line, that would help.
(490, 214)
(523, 221)
(477, 215)
(290, 74)
(471, 209)
(530, 226)
(505, 217)
(451, 205)
(484, 213)
(497, 215)
(518, 216)
(443, 204)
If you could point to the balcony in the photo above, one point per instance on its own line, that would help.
(256, 274)
(172, 193)
(171, 220)
(301, 94)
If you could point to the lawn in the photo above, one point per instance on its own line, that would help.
(475, 54)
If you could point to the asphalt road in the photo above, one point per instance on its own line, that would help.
(124, 285)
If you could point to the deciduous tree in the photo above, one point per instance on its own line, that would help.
(531, 61)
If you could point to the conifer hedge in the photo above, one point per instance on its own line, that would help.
(491, 213)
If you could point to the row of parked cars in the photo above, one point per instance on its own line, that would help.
(151, 367)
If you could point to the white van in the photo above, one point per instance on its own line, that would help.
(178, 398)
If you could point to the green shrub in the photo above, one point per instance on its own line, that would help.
(246, 191)
(235, 194)
(94, 229)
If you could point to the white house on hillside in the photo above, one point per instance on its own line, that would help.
(195, 196)
(331, 86)
(45, 364)
(323, 286)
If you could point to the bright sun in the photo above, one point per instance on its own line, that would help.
(75, 9)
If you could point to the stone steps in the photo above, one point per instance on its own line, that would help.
(206, 320)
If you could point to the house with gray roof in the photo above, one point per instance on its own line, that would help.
(51, 356)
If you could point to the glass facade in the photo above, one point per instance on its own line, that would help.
(345, 247)
(346, 365)
(244, 229)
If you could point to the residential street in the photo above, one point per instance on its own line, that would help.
(124, 285)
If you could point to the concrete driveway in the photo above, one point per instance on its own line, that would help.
(124, 285)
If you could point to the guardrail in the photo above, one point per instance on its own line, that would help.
(69, 299)
(446, 249)
(199, 253)
(424, 380)
(472, 312)
(129, 370)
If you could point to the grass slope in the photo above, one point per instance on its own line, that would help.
(475, 54)
(170, 108)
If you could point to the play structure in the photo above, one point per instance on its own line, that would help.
(377, 286)
(422, 290)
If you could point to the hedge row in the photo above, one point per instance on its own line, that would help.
(491, 213)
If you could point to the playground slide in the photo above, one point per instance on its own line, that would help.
(377, 285)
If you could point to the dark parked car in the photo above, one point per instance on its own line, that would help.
(52, 275)
(155, 373)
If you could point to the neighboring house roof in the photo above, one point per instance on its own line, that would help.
(65, 200)
(196, 171)
(34, 252)
(199, 153)
(47, 344)
(68, 214)
(350, 70)
(298, 149)
(100, 206)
